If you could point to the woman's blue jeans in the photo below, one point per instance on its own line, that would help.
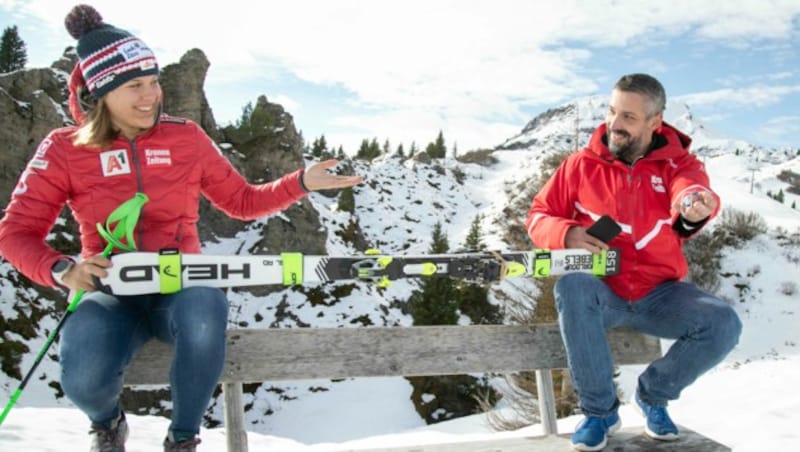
(104, 333)
(705, 329)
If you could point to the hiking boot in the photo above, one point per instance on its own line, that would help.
(658, 425)
(592, 433)
(109, 439)
(187, 445)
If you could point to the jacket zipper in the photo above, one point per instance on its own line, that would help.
(139, 186)
(632, 190)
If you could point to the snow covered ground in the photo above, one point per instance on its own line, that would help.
(748, 402)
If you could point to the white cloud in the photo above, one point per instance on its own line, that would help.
(780, 75)
(771, 19)
(759, 96)
(470, 56)
(624, 22)
(732, 79)
(782, 130)
(717, 117)
(289, 104)
(480, 61)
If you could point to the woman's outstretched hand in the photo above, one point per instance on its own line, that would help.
(316, 177)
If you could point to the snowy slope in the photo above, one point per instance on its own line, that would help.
(396, 209)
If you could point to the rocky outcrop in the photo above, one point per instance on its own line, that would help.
(67, 61)
(263, 149)
(31, 105)
(269, 142)
(184, 96)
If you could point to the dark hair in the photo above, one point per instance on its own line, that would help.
(646, 85)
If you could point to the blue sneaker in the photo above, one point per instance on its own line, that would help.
(658, 425)
(592, 433)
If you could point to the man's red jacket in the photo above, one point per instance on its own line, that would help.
(641, 198)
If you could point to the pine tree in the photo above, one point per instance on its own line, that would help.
(473, 241)
(441, 149)
(400, 152)
(473, 299)
(13, 55)
(313, 147)
(387, 148)
(347, 202)
(413, 149)
(436, 303)
(439, 242)
(319, 147)
(441, 300)
(243, 127)
(369, 150)
(247, 113)
(363, 150)
(262, 119)
(437, 149)
(374, 148)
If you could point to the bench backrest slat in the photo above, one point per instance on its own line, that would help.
(256, 355)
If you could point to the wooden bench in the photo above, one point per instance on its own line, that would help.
(256, 355)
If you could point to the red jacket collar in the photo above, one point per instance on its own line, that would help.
(677, 143)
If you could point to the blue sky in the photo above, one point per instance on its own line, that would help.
(477, 70)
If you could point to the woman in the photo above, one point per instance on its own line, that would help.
(123, 145)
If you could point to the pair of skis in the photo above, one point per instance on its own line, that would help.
(168, 271)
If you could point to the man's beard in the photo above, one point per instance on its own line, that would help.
(628, 150)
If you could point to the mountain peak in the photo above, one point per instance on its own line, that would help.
(560, 128)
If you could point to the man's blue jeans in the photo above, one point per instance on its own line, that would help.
(104, 333)
(705, 328)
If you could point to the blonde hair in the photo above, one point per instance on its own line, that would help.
(97, 130)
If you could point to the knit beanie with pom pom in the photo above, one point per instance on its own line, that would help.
(108, 56)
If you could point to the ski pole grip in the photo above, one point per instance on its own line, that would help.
(125, 216)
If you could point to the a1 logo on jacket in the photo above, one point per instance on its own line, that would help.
(115, 163)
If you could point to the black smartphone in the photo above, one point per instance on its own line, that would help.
(604, 229)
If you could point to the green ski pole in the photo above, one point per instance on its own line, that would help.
(125, 216)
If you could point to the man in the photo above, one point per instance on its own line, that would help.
(636, 169)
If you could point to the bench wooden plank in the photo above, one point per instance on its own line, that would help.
(256, 355)
(235, 433)
(547, 401)
(628, 439)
